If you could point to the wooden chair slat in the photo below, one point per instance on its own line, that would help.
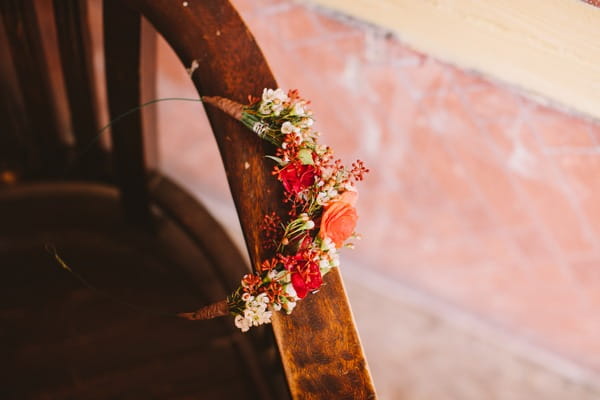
(122, 60)
(149, 75)
(231, 65)
(204, 229)
(45, 154)
(12, 138)
(74, 40)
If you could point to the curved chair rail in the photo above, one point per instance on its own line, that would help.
(319, 345)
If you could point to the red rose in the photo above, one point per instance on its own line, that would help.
(339, 219)
(296, 177)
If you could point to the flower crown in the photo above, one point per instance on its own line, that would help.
(320, 194)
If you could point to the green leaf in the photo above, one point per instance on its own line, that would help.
(305, 157)
(276, 159)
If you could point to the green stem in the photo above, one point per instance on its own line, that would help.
(129, 112)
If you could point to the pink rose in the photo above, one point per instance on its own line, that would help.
(339, 219)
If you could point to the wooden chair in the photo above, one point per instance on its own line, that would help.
(136, 234)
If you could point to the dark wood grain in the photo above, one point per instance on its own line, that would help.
(64, 341)
(45, 155)
(231, 65)
(12, 126)
(76, 58)
(122, 60)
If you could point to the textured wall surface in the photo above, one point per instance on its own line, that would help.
(479, 199)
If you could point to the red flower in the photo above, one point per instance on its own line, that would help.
(296, 177)
(306, 278)
(306, 275)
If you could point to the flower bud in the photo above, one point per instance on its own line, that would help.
(309, 225)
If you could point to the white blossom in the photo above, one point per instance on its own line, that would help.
(265, 108)
(288, 127)
(255, 312)
(324, 264)
(325, 196)
(277, 108)
(247, 297)
(242, 323)
(290, 291)
(306, 123)
(262, 298)
(277, 95)
(298, 109)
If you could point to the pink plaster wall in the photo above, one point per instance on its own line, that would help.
(478, 195)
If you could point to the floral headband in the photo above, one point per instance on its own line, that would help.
(320, 194)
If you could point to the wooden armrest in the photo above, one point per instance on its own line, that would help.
(319, 345)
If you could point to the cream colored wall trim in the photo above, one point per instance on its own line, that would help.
(549, 48)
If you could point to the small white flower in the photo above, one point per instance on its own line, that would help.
(272, 95)
(290, 291)
(326, 195)
(277, 108)
(323, 264)
(247, 297)
(298, 109)
(264, 108)
(306, 122)
(281, 96)
(264, 318)
(242, 323)
(350, 187)
(329, 244)
(322, 198)
(268, 95)
(287, 127)
(262, 298)
(309, 225)
(276, 306)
